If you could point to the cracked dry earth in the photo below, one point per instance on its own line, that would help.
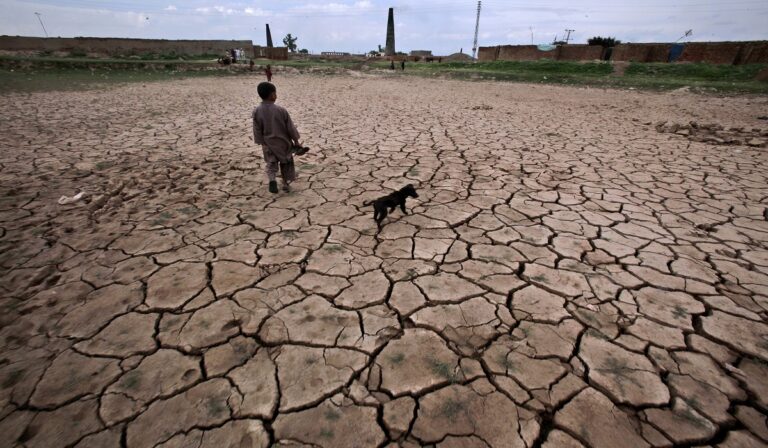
(568, 276)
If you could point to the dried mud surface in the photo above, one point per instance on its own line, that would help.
(567, 277)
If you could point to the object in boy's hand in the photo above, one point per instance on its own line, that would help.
(299, 150)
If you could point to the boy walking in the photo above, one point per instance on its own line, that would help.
(275, 132)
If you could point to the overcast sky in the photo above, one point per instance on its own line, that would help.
(443, 26)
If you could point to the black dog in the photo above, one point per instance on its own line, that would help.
(389, 202)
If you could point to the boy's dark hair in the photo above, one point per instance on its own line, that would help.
(265, 89)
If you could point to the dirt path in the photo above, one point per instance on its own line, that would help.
(568, 276)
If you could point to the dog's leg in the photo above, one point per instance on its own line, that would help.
(402, 207)
(382, 215)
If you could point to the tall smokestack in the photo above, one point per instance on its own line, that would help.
(390, 49)
(269, 38)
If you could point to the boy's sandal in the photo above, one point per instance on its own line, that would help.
(300, 151)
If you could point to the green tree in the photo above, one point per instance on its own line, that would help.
(304, 51)
(290, 42)
(603, 41)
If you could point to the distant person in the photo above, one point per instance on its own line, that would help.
(233, 55)
(278, 137)
(268, 72)
(250, 64)
(392, 64)
(439, 60)
(402, 64)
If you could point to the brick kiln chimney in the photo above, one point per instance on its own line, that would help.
(390, 48)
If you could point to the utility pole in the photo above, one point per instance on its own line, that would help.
(568, 36)
(531, 28)
(41, 23)
(477, 27)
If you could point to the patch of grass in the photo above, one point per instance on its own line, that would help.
(411, 273)
(650, 76)
(14, 377)
(451, 408)
(442, 369)
(539, 278)
(333, 248)
(290, 234)
(679, 312)
(215, 407)
(505, 362)
(188, 210)
(326, 433)
(332, 415)
(78, 72)
(397, 358)
(131, 380)
(614, 365)
(65, 74)
(103, 165)
(697, 71)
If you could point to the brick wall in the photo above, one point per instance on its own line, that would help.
(523, 53)
(275, 53)
(579, 52)
(641, 52)
(712, 52)
(116, 46)
(753, 53)
(488, 53)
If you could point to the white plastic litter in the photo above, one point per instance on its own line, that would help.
(64, 200)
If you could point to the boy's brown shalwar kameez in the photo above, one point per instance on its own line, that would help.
(274, 130)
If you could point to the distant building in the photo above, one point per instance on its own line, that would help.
(422, 53)
(334, 53)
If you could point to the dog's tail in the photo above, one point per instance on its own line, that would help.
(367, 203)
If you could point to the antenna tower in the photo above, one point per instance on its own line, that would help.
(477, 27)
